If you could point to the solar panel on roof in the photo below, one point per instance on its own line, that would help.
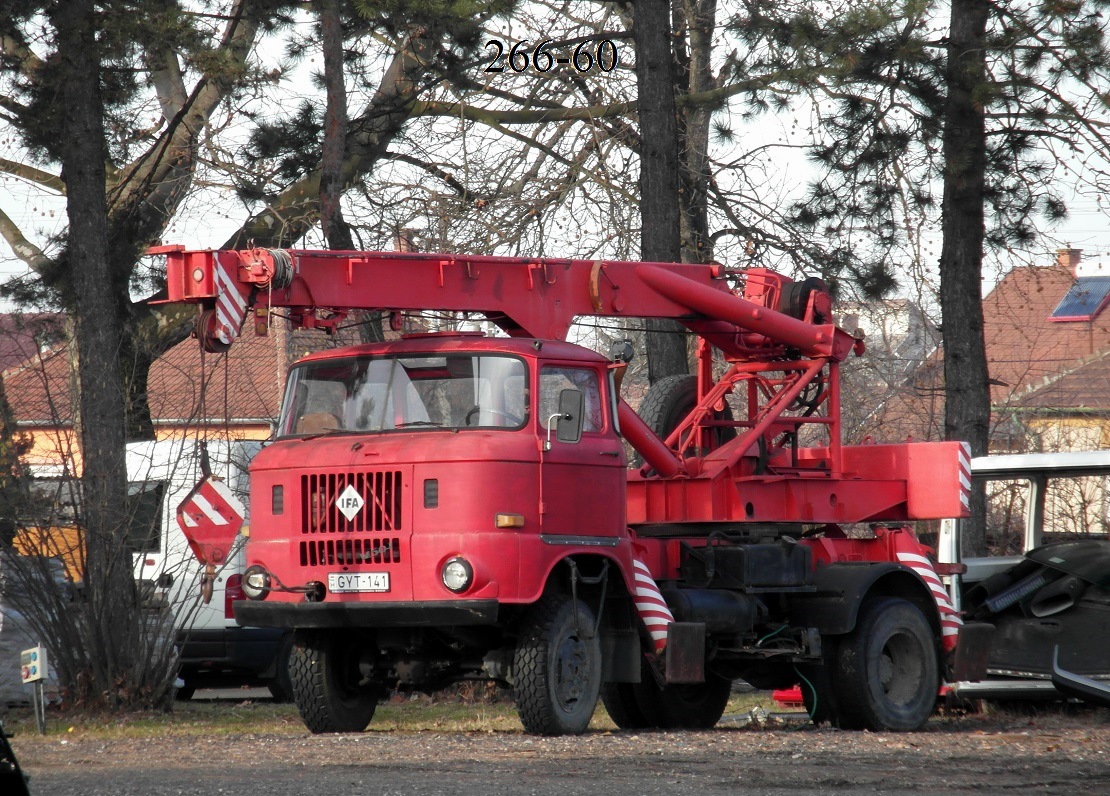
(1084, 300)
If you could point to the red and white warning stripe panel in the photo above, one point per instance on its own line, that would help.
(965, 474)
(950, 621)
(653, 610)
(210, 517)
(231, 302)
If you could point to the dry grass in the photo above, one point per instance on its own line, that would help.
(467, 709)
(451, 712)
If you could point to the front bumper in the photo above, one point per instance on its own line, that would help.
(380, 614)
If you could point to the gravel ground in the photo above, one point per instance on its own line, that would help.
(1065, 753)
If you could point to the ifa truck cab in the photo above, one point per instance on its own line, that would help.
(440, 468)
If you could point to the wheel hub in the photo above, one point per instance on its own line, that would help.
(572, 671)
(899, 671)
(886, 671)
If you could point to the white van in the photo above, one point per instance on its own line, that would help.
(215, 650)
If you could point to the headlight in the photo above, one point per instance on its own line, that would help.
(256, 582)
(457, 575)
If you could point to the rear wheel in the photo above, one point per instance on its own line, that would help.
(670, 399)
(818, 693)
(887, 671)
(557, 667)
(332, 691)
(685, 706)
(623, 707)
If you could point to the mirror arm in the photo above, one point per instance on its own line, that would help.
(551, 425)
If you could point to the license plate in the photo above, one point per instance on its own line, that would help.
(358, 581)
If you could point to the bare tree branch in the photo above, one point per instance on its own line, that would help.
(31, 174)
(26, 251)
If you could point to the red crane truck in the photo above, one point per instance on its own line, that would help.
(456, 506)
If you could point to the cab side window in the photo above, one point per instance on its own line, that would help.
(553, 380)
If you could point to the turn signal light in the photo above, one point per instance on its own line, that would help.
(509, 520)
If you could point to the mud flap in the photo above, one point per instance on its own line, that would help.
(685, 652)
(972, 652)
(620, 656)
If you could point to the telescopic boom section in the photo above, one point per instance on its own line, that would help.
(526, 297)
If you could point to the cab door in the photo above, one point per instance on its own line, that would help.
(582, 476)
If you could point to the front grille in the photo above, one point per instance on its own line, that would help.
(328, 552)
(380, 492)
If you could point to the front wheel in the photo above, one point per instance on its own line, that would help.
(887, 671)
(332, 692)
(557, 667)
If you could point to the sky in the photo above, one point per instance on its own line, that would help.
(209, 221)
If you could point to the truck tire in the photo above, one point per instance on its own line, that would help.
(686, 706)
(328, 685)
(623, 707)
(887, 672)
(670, 399)
(637, 706)
(557, 667)
(818, 693)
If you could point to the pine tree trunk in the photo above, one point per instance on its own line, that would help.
(659, 176)
(967, 393)
(699, 19)
(110, 614)
(334, 147)
(337, 232)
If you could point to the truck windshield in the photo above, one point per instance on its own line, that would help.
(372, 394)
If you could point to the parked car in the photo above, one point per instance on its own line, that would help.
(1041, 600)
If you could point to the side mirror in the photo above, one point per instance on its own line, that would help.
(569, 425)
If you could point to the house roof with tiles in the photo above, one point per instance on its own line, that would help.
(1047, 335)
(1039, 348)
(185, 385)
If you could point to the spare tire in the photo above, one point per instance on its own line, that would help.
(671, 399)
